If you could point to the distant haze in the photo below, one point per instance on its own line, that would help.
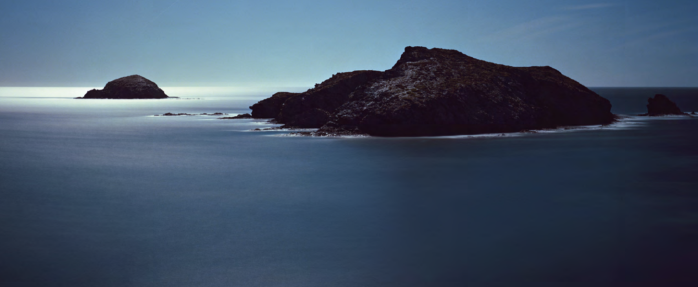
(300, 43)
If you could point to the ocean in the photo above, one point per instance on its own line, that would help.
(104, 193)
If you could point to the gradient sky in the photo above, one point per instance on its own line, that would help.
(299, 43)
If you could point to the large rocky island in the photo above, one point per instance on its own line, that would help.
(130, 87)
(439, 92)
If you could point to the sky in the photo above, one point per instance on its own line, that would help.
(638, 43)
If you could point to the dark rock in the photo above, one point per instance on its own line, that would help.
(175, 115)
(444, 92)
(131, 87)
(313, 118)
(241, 116)
(185, 114)
(270, 107)
(438, 92)
(313, 108)
(661, 105)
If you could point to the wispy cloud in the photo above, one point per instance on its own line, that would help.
(662, 35)
(589, 6)
(644, 28)
(533, 29)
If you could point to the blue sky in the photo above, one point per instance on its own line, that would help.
(299, 43)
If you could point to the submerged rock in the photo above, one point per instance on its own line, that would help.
(131, 87)
(661, 105)
(443, 92)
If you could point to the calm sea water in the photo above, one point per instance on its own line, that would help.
(101, 193)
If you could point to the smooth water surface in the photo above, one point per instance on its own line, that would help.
(103, 193)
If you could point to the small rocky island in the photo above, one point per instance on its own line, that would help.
(130, 87)
(432, 92)
(660, 105)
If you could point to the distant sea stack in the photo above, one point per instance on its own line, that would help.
(660, 105)
(431, 92)
(131, 87)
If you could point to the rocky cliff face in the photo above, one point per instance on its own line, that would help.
(313, 108)
(270, 107)
(440, 92)
(131, 87)
(661, 105)
(444, 92)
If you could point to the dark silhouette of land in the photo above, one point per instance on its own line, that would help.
(660, 105)
(439, 92)
(131, 87)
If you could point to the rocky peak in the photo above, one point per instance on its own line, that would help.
(417, 53)
(132, 81)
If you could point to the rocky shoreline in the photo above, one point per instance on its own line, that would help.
(218, 114)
